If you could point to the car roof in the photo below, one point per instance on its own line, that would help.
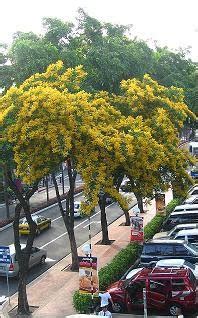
(193, 143)
(34, 217)
(171, 262)
(185, 212)
(190, 225)
(186, 206)
(188, 232)
(158, 241)
(162, 272)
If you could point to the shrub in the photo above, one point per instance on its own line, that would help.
(153, 226)
(82, 302)
(118, 266)
(171, 205)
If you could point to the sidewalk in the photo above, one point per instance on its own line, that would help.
(51, 293)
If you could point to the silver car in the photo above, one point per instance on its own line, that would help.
(37, 256)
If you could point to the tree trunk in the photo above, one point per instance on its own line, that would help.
(105, 236)
(23, 255)
(68, 214)
(127, 217)
(23, 306)
(140, 204)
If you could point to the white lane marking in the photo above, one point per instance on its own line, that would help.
(91, 223)
(56, 218)
(50, 260)
(75, 227)
(66, 231)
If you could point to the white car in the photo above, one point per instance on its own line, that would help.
(193, 190)
(193, 199)
(178, 263)
(77, 209)
(173, 232)
(190, 235)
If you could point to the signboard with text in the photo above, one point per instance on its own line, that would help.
(137, 230)
(88, 274)
(4, 254)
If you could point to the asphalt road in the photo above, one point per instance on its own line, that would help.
(55, 240)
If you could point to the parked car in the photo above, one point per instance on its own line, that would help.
(155, 250)
(176, 218)
(178, 263)
(171, 234)
(38, 256)
(193, 190)
(193, 199)
(41, 222)
(186, 208)
(191, 235)
(166, 289)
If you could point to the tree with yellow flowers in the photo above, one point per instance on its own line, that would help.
(163, 110)
(53, 120)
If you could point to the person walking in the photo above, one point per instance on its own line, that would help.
(105, 298)
(105, 312)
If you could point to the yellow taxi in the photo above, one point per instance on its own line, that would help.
(41, 222)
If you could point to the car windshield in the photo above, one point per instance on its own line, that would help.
(191, 266)
(76, 205)
(193, 247)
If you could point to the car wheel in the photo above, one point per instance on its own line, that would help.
(38, 231)
(118, 307)
(42, 261)
(49, 225)
(174, 309)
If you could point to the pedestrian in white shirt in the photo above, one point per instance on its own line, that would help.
(105, 312)
(105, 298)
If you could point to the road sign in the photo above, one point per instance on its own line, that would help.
(4, 254)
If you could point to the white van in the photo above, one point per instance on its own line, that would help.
(186, 207)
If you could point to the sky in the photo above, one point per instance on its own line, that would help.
(171, 23)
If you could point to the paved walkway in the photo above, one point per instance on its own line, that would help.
(52, 292)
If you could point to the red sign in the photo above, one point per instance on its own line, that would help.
(137, 230)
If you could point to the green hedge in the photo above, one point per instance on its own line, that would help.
(121, 262)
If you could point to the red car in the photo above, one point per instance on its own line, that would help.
(166, 288)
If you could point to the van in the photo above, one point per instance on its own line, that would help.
(186, 207)
(37, 256)
(155, 250)
(182, 217)
(165, 289)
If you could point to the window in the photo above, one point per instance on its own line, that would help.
(180, 250)
(194, 192)
(159, 286)
(193, 238)
(178, 284)
(34, 250)
(166, 250)
(149, 249)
